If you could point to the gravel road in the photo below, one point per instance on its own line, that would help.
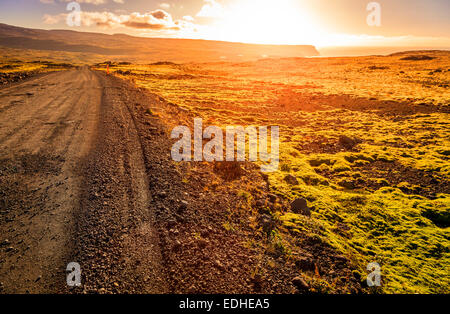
(74, 188)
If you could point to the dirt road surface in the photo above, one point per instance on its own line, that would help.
(60, 135)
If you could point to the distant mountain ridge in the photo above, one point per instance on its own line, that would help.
(148, 49)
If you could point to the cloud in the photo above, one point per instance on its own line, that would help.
(51, 19)
(94, 2)
(158, 19)
(188, 18)
(165, 5)
(160, 14)
(100, 19)
(154, 20)
(212, 9)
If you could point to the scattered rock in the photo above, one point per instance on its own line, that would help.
(272, 198)
(300, 206)
(374, 67)
(174, 231)
(348, 184)
(267, 223)
(202, 243)
(357, 275)
(176, 246)
(300, 283)
(265, 176)
(292, 180)
(260, 203)
(123, 72)
(417, 58)
(219, 264)
(171, 223)
(192, 289)
(340, 259)
(348, 142)
(229, 170)
(305, 264)
(5, 242)
(183, 205)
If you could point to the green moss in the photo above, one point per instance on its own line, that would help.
(285, 167)
(405, 233)
(316, 162)
(341, 166)
(388, 227)
(359, 156)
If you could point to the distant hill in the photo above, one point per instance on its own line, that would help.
(120, 46)
(350, 51)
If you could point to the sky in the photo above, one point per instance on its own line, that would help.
(319, 22)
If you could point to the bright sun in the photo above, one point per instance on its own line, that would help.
(266, 22)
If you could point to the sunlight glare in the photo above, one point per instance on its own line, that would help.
(267, 22)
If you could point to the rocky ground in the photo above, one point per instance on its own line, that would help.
(90, 179)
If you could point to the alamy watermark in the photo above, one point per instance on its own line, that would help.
(374, 277)
(73, 278)
(374, 17)
(74, 17)
(213, 150)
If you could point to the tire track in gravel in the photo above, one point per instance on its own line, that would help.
(119, 249)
